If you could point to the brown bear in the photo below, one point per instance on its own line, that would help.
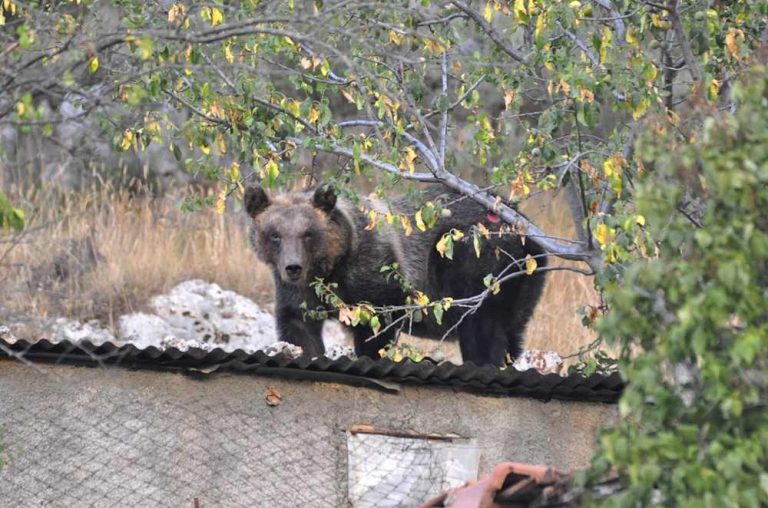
(304, 236)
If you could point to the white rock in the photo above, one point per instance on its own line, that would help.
(75, 331)
(197, 312)
(285, 348)
(546, 362)
(144, 330)
(336, 351)
(335, 336)
(6, 335)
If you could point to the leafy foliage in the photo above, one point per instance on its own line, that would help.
(10, 217)
(523, 96)
(692, 318)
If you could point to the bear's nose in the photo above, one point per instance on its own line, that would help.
(293, 271)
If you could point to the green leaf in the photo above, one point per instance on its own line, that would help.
(438, 311)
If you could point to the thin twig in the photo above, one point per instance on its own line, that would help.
(491, 32)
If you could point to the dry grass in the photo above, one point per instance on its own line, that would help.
(146, 246)
(556, 324)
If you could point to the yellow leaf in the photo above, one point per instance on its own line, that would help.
(272, 170)
(604, 235)
(732, 41)
(221, 144)
(521, 13)
(345, 315)
(565, 87)
(586, 95)
(407, 160)
(509, 98)
(456, 235)
(483, 230)
(442, 244)
(221, 201)
(421, 299)
(390, 218)
(488, 12)
(631, 36)
(348, 95)
(446, 302)
(530, 264)
(406, 222)
(228, 54)
(541, 22)
(714, 87)
(314, 114)
(372, 218)
(325, 68)
(216, 16)
(216, 109)
(234, 171)
(605, 44)
(434, 47)
(93, 65)
(640, 108)
(640, 220)
(420, 221)
(305, 63)
(613, 165)
(176, 12)
(395, 37)
(608, 167)
(206, 149)
(127, 139)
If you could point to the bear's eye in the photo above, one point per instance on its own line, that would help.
(308, 235)
(274, 237)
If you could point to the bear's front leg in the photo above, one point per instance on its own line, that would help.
(366, 345)
(291, 327)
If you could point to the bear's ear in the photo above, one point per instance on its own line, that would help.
(325, 198)
(255, 200)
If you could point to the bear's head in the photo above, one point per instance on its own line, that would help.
(300, 235)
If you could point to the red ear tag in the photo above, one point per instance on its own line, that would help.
(492, 217)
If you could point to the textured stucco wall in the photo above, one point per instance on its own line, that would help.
(77, 435)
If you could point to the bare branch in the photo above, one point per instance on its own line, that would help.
(421, 147)
(617, 18)
(444, 117)
(682, 40)
(592, 57)
(389, 168)
(491, 32)
(461, 99)
(192, 108)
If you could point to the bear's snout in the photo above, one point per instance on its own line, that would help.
(293, 272)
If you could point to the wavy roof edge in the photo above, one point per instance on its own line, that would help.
(381, 373)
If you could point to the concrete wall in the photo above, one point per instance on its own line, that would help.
(77, 435)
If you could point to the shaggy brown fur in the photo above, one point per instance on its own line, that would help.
(307, 235)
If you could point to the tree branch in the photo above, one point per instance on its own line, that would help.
(491, 32)
(444, 116)
(682, 40)
(618, 22)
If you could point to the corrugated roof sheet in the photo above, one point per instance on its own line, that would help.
(363, 371)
